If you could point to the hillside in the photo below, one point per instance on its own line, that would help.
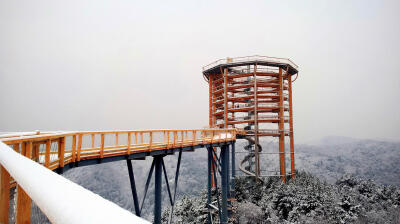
(305, 199)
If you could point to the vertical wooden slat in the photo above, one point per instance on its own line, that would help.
(116, 139)
(182, 137)
(93, 136)
(129, 143)
(141, 137)
(23, 207)
(194, 137)
(168, 139)
(79, 148)
(47, 153)
(16, 147)
(4, 195)
(73, 148)
(211, 97)
(28, 150)
(23, 213)
(61, 151)
(173, 144)
(35, 152)
(102, 146)
(135, 138)
(151, 139)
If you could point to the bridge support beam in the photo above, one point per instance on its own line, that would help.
(224, 182)
(133, 187)
(209, 181)
(157, 189)
(233, 170)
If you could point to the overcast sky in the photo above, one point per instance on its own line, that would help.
(84, 65)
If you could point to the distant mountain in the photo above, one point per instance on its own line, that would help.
(371, 159)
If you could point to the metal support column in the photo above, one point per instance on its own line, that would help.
(133, 187)
(209, 181)
(224, 183)
(157, 189)
(233, 170)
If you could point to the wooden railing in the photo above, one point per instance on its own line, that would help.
(54, 150)
(57, 149)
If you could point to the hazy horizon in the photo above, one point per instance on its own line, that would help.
(96, 65)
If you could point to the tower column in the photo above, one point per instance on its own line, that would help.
(291, 125)
(281, 128)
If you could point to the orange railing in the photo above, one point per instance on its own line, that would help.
(54, 150)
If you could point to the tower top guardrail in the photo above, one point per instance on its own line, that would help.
(262, 60)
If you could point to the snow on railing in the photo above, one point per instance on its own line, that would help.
(61, 200)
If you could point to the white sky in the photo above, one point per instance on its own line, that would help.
(81, 65)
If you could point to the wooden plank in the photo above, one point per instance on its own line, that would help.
(35, 152)
(135, 138)
(128, 151)
(61, 151)
(28, 150)
(23, 207)
(151, 140)
(73, 148)
(4, 195)
(16, 147)
(102, 146)
(47, 154)
(93, 136)
(78, 155)
(116, 138)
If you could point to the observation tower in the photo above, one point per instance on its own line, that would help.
(254, 93)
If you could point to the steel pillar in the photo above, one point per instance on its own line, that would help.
(133, 187)
(209, 181)
(157, 189)
(224, 182)
(233, 170)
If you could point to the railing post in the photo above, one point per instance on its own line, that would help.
(129, 143)
(116, 139)
(4, 195)
(47, 154)
(102, 146)
(168, 139)
(135, 138)
(194, 137)
(61, 152)
(151, 139)
(73, 148)
(79, 147)
(93, 136)
(23, 213)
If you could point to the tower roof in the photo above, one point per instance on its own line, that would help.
(216, 66)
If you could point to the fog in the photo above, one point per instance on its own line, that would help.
(96, 65)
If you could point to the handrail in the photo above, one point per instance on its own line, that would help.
(58, 149)
(61, 200)
(250, 58)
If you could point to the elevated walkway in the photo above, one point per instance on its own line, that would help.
(59, 151)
